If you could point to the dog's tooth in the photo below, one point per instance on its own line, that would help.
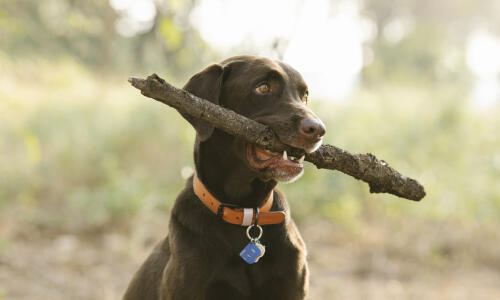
(301, 160)
(285, 157)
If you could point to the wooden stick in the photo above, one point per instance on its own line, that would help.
(366, 167)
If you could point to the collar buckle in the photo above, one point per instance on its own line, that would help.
(220, 209)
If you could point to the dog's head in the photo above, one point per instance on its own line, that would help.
(269, 92)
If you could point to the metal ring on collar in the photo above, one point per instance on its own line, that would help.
(259, 235)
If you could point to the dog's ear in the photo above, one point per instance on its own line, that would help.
(206, 84)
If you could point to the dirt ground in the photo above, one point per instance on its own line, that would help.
(383, 261)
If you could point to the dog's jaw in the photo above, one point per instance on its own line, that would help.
(286, 178)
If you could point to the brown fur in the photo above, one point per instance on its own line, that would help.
(199, 257)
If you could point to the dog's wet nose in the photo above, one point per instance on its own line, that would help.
(312, 128)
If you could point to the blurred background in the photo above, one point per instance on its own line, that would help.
(89, 168)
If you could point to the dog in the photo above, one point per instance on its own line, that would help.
(230, 234)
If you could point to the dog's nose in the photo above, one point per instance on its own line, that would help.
(312, 128)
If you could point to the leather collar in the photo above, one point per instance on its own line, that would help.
(237, 215)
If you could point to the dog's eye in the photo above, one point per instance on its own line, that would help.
(263, 88)
(305, 97)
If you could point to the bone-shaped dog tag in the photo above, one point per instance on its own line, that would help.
(262, 248)
(252, 252)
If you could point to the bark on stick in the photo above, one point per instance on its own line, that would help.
(366, 167)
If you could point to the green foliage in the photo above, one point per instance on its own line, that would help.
(171, 34)
(80, 152)
(81, 148)
(85, 31)
(84, 148)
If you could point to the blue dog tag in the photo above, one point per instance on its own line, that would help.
(252, 252)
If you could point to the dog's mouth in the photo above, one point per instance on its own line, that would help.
(280, 166)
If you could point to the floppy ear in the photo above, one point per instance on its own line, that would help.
(206, 84)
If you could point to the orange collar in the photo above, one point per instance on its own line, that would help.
(238, 216)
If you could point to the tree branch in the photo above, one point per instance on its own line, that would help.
(366, 167)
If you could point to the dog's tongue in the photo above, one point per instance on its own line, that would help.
(260, 158)
(263, 154)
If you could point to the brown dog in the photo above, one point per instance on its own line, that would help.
(199, 258)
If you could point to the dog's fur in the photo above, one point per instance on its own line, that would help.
(199, 257)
